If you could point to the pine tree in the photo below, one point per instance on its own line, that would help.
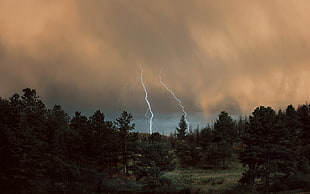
(181, 130)
(79, 124)
(186, 151)
(266, 151)
(223, 137)
(224, 129)
(124, 127)
(64, 150)
(110, 148)
(25, 135)
(97, 130)
(154, 159)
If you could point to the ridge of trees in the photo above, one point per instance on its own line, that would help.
(45, 151)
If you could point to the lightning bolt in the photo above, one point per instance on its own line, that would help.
(176, 98)
(147, 116)
(147, 102)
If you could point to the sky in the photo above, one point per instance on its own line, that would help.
(215, 55)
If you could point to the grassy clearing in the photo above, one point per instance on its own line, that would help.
(205, 180)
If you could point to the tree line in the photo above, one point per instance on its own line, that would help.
(45, 151)
(273, 146)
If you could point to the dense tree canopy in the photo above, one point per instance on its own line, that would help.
(46, 151)
(270, 148)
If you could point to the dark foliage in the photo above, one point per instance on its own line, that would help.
(45, 151)
(186, 149)
(275, 150)
(153, 158)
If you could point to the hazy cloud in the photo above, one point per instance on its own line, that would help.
(216, 55)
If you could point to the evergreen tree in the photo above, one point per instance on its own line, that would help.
(154, 159)
(97, 130)
(181, 149)
(110, 147)
(223, 137)
(124, 127)
(106, 138)
(64, 149)
(186, 151)
(79, 124)
(224, 129)
(24, 134)
(181, 130)
(266, 152)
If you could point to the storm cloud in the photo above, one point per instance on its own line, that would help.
(215, 55)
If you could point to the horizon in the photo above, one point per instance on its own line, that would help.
(171, 119)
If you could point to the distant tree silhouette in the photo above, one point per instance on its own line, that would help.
(181, 130)
(224, 129)
(124, 126)
(80, 125)
(223, 137)
(185, 148)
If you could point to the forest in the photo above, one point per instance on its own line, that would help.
(46, 151)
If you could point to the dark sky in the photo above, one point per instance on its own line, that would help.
(215, 55)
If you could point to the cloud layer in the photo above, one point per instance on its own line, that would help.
(215, 55)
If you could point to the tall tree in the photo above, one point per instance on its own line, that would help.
(110, 147)
(106, 139)
(185, 149)
(266, 152)
(26, 135)
(224, 129)
(97, 126)
(124, 126)
(154, 159)
(79, 124)
(181, 130)
(217, 142)
(64, 150)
